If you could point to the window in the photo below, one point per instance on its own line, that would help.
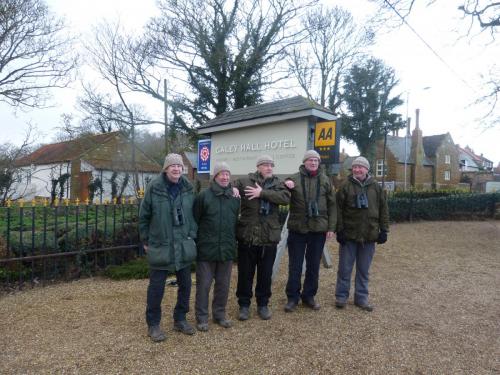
(380, 168)
(447, 175)
(447, 159)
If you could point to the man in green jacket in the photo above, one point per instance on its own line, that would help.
(363, 220)
(168, 229)
(258, 233)
(313, 218)
(216, 212)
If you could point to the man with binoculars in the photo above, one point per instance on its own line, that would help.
(168, 229)
(363, 220)
(313, 217)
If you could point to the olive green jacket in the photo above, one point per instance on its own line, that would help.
(170, 247)
(299, 220)
(216, 212)
(362, 224)
(254, 228)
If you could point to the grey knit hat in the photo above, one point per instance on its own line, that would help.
(172, 159)
(360, 160)
(263, 159)
(311, 154)
(221, 166)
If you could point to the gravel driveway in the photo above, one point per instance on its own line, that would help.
(435, 286)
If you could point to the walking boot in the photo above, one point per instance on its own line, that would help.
(156, 334)
(264, 312)
(224, 322)
(244, 313)
(364, 306)
(290, 306)
(311, 303)
(184, 327)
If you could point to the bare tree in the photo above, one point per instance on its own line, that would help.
(10, 181)
(333, 43)
(35, 55)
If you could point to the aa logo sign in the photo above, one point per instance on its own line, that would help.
(325, 134)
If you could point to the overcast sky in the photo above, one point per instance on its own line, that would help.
(444, 92)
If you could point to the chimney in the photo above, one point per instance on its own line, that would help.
(417, 153)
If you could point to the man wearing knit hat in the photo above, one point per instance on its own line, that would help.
(363, 220)
(216, 212)
(258, 233)
(313, 217)
(167, 229)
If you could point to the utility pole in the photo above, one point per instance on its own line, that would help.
(165, 108)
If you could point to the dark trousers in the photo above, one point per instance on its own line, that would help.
(156, 289)
(206, 273)
(311, 246)
(250, 258)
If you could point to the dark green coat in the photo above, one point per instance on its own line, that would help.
(171, 247)
(216, 212)
(298, 221)
(362, 224)
(256, 229)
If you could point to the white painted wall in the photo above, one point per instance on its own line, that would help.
(35, 180)
(285, 142)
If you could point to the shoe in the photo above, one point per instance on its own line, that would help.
(156, 333)
(244, 313)
(312, 304)
(340, 304)
(290, 306)
(224, 323)
(202, 326)
(365, 306)
(184, 327)
(264, 312)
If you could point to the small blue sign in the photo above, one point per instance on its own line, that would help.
(204, 153)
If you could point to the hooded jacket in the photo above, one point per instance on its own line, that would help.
(306, 190)
(362, 224)
(167, 225)
(216, 212)
(255, 227)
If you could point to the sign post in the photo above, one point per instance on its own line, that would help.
(204, 153)
(326, 140)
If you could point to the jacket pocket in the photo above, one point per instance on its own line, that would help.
(189, 250)
(158, 256)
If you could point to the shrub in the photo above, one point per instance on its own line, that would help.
(135, 269)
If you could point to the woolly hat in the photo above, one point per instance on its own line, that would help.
(172, 159)
(311, 154)
(221, 166)
(360, 160)
(263, 159)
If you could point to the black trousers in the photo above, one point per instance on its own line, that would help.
(251, 258)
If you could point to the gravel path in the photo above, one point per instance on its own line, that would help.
(435, 286)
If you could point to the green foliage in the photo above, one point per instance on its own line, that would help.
(367, 96)
(135, 269)
(422, 194)
(451, 207)
(13, 274)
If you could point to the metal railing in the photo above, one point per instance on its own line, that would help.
(41, 242)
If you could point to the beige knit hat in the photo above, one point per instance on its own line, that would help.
(360, 160)
(172, 159)
(311, 154)
(263, 159)
(221, 166)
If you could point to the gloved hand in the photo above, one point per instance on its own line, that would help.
(382, 237)
(340, 236)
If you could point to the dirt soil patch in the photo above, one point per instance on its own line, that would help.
(435, 286)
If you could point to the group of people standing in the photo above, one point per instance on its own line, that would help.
(241, 220)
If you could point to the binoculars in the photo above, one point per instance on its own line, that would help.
(178, 216)
(265, 207)
(361, 200)
(312, 209)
